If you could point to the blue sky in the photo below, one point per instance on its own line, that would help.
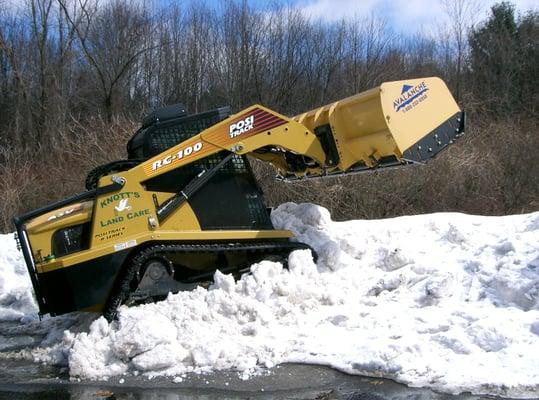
(410, 16)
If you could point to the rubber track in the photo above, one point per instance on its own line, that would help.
(116, 166)
(123, 288)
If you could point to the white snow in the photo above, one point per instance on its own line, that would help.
(16, 298)
(447, 301)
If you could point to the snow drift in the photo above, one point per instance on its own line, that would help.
(448, 301)
(16, 295)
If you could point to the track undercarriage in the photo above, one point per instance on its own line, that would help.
(157, 270)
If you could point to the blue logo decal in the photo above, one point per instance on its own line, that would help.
(405, 88)
(409, 94)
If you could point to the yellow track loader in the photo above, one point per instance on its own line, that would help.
(185, 202)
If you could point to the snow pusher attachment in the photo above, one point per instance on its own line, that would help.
(185, 202)
(394, 124)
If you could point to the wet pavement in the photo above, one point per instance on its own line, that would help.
(25, 381)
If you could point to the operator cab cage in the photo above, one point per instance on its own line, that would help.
(168, 126)
(234, 183)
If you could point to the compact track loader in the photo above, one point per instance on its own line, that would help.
(185, 202)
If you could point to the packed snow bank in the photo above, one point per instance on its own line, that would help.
(448, 301)
(16, 299)
(20, 327)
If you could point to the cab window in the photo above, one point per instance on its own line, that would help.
(70, 240)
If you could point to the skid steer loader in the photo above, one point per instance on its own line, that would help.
(185, 203)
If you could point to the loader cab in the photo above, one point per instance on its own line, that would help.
(232, 199)
(168, 126)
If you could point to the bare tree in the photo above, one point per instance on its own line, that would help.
(368, 43)
(11, 39)
(111, 39)
(462, 15)
(40, 25)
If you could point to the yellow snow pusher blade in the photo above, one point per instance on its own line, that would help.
(393, 124)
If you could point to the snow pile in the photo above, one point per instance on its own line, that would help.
(16, 299)
(20, 326)
(448, 301)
